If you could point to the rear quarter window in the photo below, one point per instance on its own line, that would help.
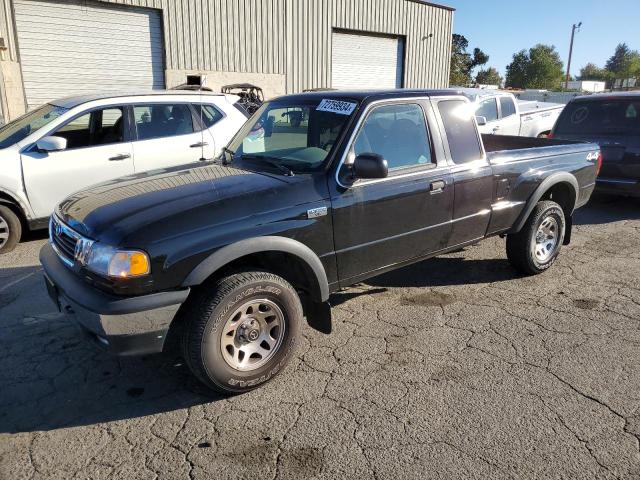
(460, 127)
(600, 117)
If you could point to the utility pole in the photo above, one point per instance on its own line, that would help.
(576, 28)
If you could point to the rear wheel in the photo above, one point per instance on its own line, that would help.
(241, 331)
(10, 229)
(535, 248)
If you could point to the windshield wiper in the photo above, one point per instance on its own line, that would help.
(264, 159)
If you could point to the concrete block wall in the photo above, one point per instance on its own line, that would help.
(12, 92)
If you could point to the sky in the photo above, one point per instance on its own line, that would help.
(501, 27)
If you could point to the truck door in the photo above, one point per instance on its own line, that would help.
(380, 223)
(488, 108)
(472, 174)
(509, 118)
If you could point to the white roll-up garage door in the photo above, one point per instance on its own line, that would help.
(366, 61)
(77, 47)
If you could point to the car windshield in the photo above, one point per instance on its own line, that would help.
(601, 117)
(22, 127)
(297, 136)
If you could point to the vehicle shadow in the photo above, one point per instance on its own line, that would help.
(435, 272)
(51, 377)
(606, 209)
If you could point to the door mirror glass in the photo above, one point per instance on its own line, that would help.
(480, 120)
(370, 165)
(51, 144)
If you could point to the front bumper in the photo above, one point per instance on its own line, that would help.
(614, 186)
(123, 325)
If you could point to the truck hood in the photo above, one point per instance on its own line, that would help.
(119, 209)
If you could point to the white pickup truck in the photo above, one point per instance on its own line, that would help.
(500, 113)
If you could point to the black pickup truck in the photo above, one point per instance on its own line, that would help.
(317, 191)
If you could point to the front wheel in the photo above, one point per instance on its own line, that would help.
(10, 229)
(535, 248)
(241, 331)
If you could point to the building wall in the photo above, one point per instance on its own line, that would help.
(12, 102)
(282, 45)
(310, 24)
(292, 38)
(7, 31)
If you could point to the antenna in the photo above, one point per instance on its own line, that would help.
(203, 82)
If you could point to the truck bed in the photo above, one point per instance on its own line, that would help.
(502, 143)
(532, 106)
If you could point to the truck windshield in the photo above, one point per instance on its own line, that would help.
(601, 117)
(22, 127)
(297, 136)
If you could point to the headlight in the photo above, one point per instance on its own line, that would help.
(112, 262)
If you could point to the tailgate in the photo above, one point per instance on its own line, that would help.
(620, 160)
(620, 156)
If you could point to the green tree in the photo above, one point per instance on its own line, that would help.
(489, 76)
(624, 63)
(517, 70)
(540, 67)
(463, 62)
(592, 72)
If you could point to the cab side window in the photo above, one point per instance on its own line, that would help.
(98, 127)
(488, 109)
(398, 132)
(209, 114)
(461, 130)
(162, 120)
(507, 107)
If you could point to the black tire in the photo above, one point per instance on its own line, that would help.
(207, 313)
(11, 227)
(521, 245)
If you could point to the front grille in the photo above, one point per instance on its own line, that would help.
(63, 239)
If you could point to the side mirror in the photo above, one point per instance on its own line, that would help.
(51, 144)
(480, 120)
(370, 165)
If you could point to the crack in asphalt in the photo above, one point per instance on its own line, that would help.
(430, 369)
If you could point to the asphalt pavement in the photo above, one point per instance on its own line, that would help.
(455, 367)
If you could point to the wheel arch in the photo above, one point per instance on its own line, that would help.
(561, 187)
(283, 256)
(12, 202)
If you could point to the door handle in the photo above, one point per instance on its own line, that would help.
(118, 158)
(495, 129)
(199, 144)
(437, 186)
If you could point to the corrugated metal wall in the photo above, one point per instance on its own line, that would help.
(310, 24)
(222, 35)
(7, 30)
(293, 37)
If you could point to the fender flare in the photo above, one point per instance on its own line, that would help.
(249, 246)
(16, 201)
(547, 183)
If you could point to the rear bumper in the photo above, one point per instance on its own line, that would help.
(615, 186)
(122, 325)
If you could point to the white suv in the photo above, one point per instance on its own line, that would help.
(70, 144)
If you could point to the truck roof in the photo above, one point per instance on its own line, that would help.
(361, 95)
(474, 94)
(609, 95)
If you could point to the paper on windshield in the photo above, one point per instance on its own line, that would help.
(336, 106)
